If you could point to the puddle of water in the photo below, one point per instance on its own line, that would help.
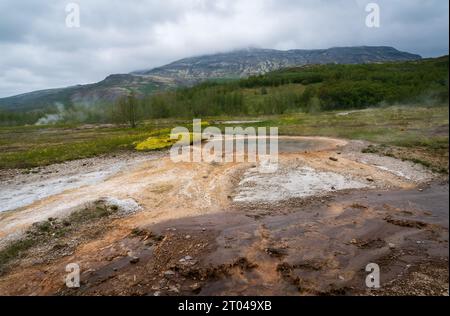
(240, 122)
(291, 145)
(285, 144)
(286, 184)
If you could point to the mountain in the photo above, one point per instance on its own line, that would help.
(244, 63)
(235, 64)
(107, 90)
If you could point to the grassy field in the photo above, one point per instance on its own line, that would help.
(415, 133)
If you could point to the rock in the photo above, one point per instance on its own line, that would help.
(275, 252)
(148, 242)
(188, 237)
(157, 293)
(169, 273)
(134, 260)
(188, 258)
(162, 283)
(391, 245)
(341, 278)
(370, 179)
(353, 241)
(333, 159)
(196, 288)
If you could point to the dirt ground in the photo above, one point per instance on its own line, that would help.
(194, 234)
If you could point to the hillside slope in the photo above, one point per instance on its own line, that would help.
(244, 63)
(107, 90)
(310, 88)
(237, 64)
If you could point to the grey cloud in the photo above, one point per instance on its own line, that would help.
(38, 51)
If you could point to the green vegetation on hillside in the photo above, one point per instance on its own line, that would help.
(308, 89)
(295, 90)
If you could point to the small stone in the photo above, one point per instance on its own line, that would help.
(134, 260)
(391, 245)
(370, 179)
(157, 293)
(148, 242)
(353, 241)
(188, 237)
(187, 258)
(333, 159)
(341, 278)
(196, 288)
(169, 273)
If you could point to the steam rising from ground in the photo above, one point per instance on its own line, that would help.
(52, 118)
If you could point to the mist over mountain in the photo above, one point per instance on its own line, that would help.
(188, 71)
(249, 62)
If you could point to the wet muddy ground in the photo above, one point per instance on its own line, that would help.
(194, 234)
(299, 249)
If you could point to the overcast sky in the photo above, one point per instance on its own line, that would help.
(38, 50)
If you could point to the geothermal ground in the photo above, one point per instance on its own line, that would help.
(140, 224)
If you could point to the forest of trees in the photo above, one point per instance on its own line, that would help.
(309, 88)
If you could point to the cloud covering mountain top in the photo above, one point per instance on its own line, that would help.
(39, 51)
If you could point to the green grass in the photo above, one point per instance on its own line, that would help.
(407, 127)
(25, 147)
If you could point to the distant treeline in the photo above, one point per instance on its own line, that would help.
(308, 88)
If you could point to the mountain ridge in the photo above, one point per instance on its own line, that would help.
(266, 60)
